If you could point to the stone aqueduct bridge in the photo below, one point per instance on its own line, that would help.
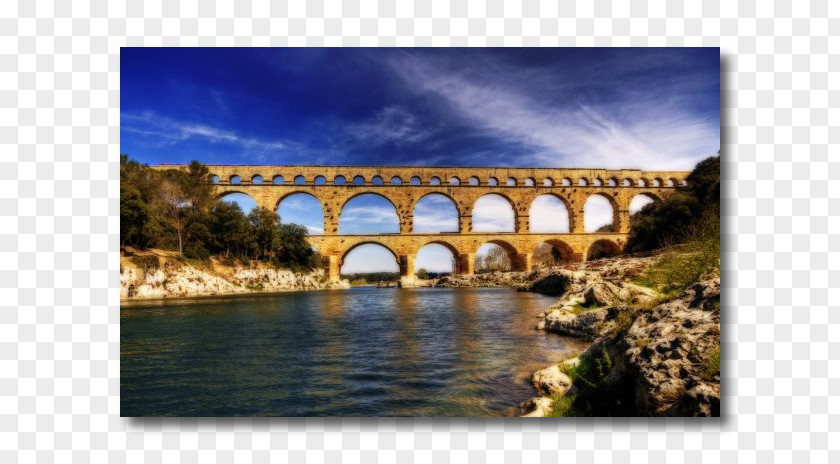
(405, 186)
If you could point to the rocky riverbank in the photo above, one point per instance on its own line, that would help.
(159, 274)
(651, 354)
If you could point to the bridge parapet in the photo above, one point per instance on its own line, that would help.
(404, 186)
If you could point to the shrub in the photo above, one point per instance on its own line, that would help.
(680, 267)
(670, 222)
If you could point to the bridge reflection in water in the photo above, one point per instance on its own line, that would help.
(403, 187)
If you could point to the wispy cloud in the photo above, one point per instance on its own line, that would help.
(646, 132)
(435, 213)
(172, 131)
(391, 125)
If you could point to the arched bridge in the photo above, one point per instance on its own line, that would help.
(404, 186)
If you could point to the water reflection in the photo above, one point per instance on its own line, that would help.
(428, 352)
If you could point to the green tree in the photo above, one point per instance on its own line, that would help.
(671, 221)
(134, 215)
(264, 229)
(422, 273)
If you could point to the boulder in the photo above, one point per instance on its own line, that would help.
(552, 284)
(565, 322)
(551, 380)
(536, 407)
(605, 293)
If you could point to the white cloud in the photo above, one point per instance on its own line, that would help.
(435, 213)
(369, 214)
(655, 134)
(492, 213)
(548, 214)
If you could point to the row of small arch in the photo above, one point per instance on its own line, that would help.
(492, 181)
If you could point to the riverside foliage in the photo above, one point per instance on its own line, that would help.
(177, 210)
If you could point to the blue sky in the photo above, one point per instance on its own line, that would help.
(582, 107)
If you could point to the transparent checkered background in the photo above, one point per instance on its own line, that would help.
(59, 141)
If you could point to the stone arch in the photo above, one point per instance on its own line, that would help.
(566, 182)
(548, 182)
(510, 251)
(214, 179)
(640, 200)
(642, 182)
(530, 182)
(613, 207)
(396, 180)
(300, 179)
(415, 180)
(511, 181)
(510, 202)
(440, 193)
(453, 252)
(602, 249)
(566, 205)
(493, 181)
(235, 179)
(474, 181)
(671, 182)
(377, 180)
(358, 180)
(435, 180)
(256, 179)
(559, 252)
(597, 182)
(340, 180)
(627, 182)
(454, 180)
(366, 192)
(353, 246)
(583, 182)
(612, 182)
(277, 180)
(222, 195)
(320, 180)
(316, 228)
(397, 213)
(656, 182)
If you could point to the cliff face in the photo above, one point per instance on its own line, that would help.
(651, 354)
(173, 278)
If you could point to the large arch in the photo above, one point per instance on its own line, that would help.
(435, 212)
(554, 252)
(493, 212)
(368, 263)
(549, 213)
(483, 264)
(602, 249)
(436, 256)
(301, 208)
(641, 200)
(369, 213)
(595, 211)
(246, 202)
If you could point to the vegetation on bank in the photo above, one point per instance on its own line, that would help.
(688, 224)
(674, 220)
(177, 210)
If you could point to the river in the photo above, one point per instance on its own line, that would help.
(357, 352)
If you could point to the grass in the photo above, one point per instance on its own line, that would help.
(580, 308)
(597, 394)
(711, 365)
(678, 268)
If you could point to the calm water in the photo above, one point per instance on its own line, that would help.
(358, 352)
